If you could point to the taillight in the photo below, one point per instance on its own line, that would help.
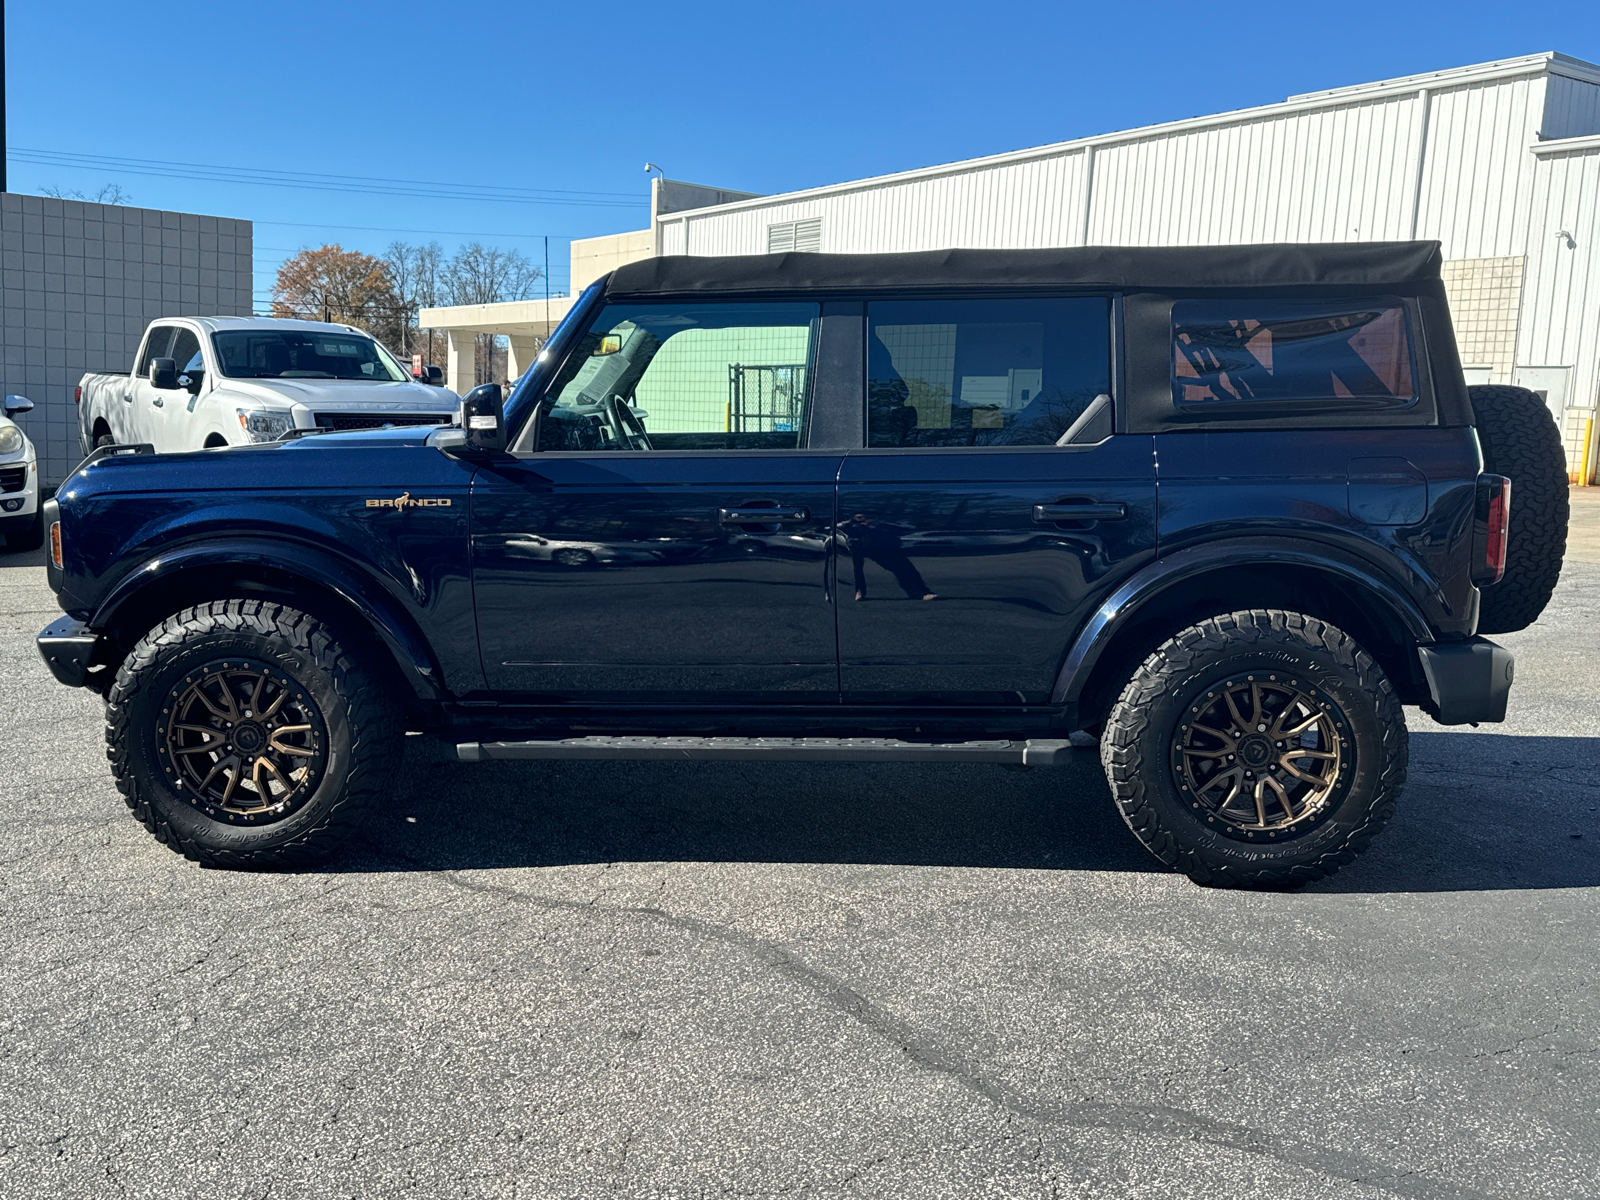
(1492, 521)
(77, 394)
(55, 543)
(1494, 555)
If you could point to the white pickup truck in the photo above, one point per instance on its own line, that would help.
(227, 381)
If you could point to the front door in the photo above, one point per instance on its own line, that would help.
(994, 507)
(141, 414)
(665, 535)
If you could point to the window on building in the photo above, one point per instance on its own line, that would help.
(685, 377)
(795, 235)
(983, 372)
(1239, 354)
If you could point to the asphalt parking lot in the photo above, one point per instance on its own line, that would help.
(581, 980)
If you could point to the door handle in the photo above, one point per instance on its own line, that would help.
(760, 516)
(158, 402)
(1113, 510)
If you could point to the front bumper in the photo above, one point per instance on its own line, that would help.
(67, 645)
(1469, 681)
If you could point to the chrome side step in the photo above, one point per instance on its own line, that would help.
(1035, 752)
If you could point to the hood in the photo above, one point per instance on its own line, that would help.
(343, 395)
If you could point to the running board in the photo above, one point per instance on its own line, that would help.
(1035, 752)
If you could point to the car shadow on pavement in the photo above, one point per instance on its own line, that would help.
(1480, 812)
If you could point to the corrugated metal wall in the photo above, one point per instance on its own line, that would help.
(1319, 171)
(1330, 174)
(1561, 301)
(1572, 108)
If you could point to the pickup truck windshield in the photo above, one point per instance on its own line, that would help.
(298, 354)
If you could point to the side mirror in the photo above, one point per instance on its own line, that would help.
(434, 375)
(192, 381)
(483, 419)
(18, 404)
(164, 374)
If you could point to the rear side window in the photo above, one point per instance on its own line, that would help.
(1252, 357)
(983, 372)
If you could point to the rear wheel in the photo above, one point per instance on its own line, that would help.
(1259, 748)
(242, 734)
(1520, 441)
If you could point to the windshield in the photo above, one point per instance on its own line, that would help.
(302, 354)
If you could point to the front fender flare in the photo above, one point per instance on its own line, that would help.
(387, 618)
(1124, 604)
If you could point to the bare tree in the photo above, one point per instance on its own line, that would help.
(415, 273)
(110, 193)
(478, 274)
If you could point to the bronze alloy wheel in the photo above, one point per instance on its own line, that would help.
(242, 741)
(1262, 756)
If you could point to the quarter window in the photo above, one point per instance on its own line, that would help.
(983, 372)
(685, 377)
(1249, 356)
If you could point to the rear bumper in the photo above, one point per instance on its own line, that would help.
(1469, 681)
(67, 645)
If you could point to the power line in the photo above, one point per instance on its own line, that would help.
(353, 184)
(561, 237)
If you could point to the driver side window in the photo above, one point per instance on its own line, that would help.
(685, 376)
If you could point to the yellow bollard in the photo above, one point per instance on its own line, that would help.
(1585, 476)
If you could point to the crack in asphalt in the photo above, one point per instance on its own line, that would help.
(927, 1053)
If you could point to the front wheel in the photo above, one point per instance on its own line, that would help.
(242, 734)
(1260, 748)
(30, 538)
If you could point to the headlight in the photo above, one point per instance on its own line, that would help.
(11, 440)
(262, 426)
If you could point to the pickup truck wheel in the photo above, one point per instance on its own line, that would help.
(30, 538)
(242, 734)
(1257, 749)
(1520, 440)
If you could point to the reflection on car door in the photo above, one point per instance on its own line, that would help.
(664, 537)
(978, 545)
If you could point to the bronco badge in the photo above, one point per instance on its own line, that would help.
(406, 500)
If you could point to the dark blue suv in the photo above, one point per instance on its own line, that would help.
(1224, 509)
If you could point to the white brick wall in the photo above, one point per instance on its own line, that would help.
(80, 281)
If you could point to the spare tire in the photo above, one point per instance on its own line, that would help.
(1520, 441)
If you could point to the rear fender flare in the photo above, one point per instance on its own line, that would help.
(392, 625)
(1122, 607)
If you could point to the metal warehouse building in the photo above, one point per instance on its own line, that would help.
(1499, 161)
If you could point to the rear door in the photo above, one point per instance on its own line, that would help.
(666, 538)
(995, 505)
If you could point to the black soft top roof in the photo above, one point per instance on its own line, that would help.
(1153, 268)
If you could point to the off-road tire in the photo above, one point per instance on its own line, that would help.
(1136, 748)
(1520, 441)
(364, 731)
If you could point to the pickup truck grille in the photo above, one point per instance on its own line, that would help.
(327, 420)
(13, 479)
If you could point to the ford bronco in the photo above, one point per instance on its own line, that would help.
(1223, 509)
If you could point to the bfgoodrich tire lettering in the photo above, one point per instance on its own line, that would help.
(1347, 692)
(344, 716)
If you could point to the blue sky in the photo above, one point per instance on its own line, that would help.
(568, 101)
